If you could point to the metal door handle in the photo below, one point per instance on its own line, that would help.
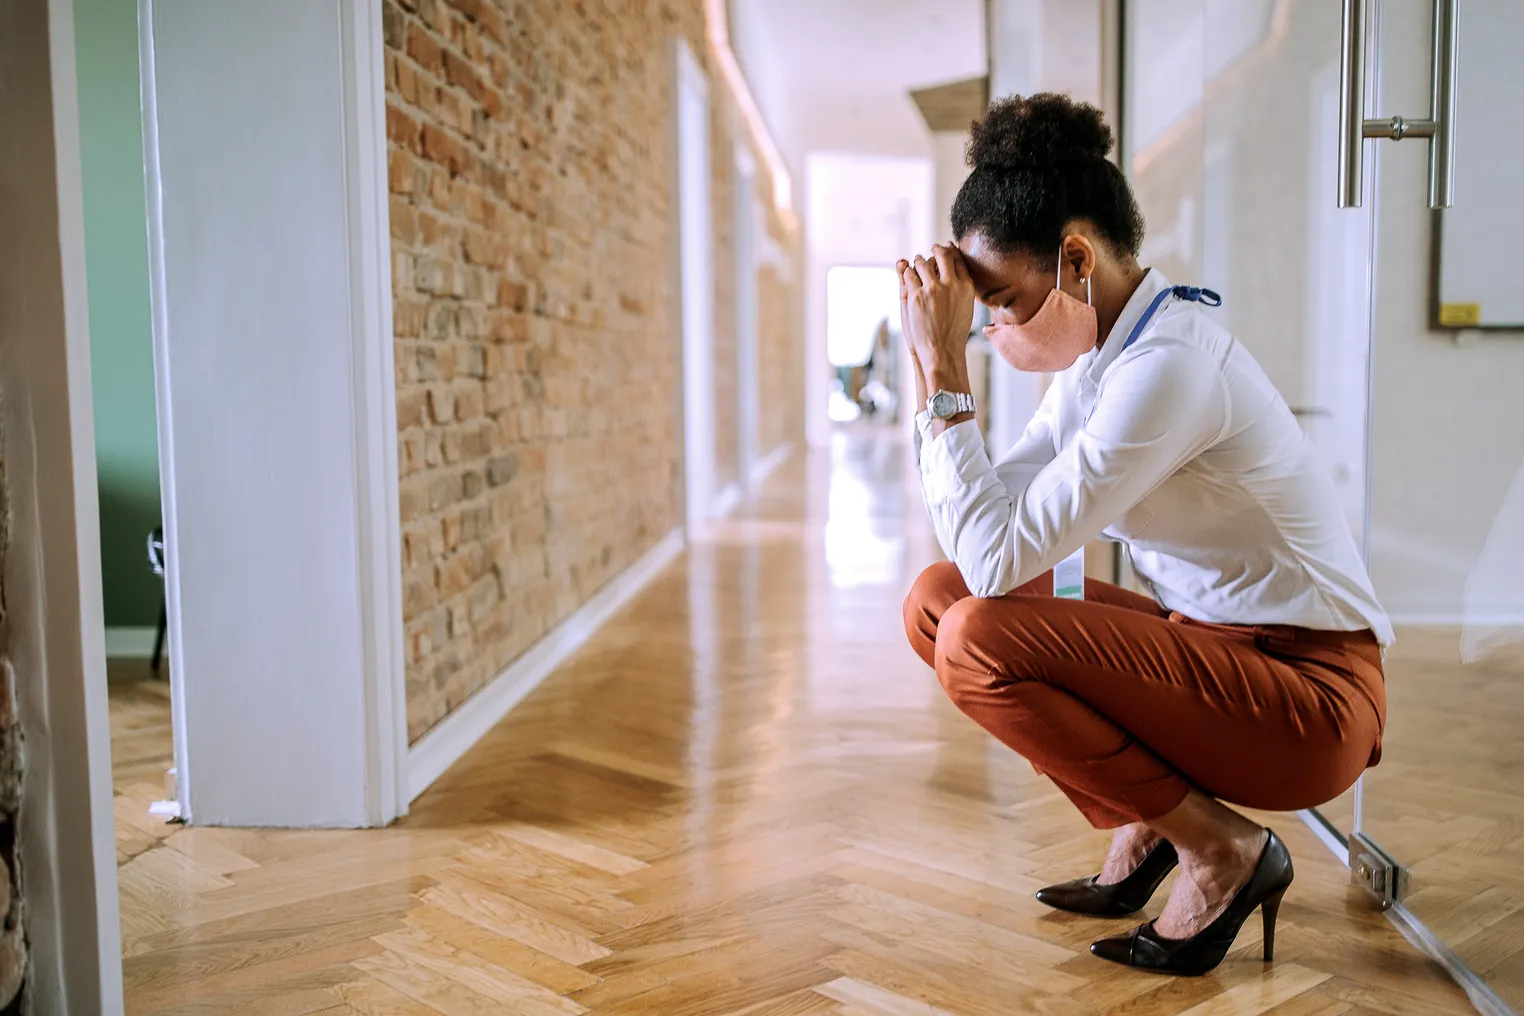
(1438, 127)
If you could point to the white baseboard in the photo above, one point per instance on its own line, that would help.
(768, 464)
(454, 735)
(726, 501)
(1452, 619)
(129, 643)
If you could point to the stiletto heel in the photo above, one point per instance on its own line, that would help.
(1146, 949)
(1269, 911)
(1087, 896)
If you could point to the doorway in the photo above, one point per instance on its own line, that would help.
(695, 287)
(126, 420)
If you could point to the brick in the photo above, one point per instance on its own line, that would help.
(410, 409)
(402, 129)
(502, 469)
(393, 26)
(444, 491)
(413, 497)
(460, 73)
(513, 295)
(424, 48)
(408, 317)
(400, 174)
(441, 404)
(404, 220)
(438, 146)
(407, 84)
(469, 399)
(418, 592)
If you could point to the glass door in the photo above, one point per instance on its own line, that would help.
(1396, 334)
(1447, 489)
(1231, 139)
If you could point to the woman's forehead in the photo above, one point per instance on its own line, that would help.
(989, 269)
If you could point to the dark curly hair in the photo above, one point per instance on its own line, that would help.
(1039, 161)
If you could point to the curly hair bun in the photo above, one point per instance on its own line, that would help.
(1038, 131)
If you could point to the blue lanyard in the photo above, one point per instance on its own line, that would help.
(1194, 294)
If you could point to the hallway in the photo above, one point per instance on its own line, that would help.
(745, 795)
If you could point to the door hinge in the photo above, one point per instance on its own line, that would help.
(1376, 871)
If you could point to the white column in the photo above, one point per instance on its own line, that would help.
(272, 321)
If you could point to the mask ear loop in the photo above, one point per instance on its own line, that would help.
(1058, 281)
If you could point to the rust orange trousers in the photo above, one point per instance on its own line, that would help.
(1126, 706)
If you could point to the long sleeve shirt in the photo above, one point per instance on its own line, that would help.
(1181, 448)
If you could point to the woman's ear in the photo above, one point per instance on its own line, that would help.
(1079, 254)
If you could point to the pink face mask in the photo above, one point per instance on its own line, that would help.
(1062, 330)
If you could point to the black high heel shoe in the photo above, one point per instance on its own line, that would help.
(1086, 896)
(1202, 952)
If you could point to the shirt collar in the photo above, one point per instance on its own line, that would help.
(1153, 283)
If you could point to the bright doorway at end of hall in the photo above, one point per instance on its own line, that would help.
(862, 343)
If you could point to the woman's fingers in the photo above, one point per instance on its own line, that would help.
(960, 263)
(946, 262)
(927, 270)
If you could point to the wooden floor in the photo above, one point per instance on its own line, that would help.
(1448, 798)
(745, 795)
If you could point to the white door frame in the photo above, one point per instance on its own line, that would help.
(364, 730)
(52, 567)
(748, 380)
(695, 261)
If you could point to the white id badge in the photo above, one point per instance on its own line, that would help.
(1069, 576)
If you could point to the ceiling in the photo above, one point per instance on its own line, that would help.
(952, 107)
(836, 75)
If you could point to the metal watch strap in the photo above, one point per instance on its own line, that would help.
(962, 402)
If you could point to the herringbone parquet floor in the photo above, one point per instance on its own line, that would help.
(745, 795)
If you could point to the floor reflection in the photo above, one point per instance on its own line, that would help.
(865, 516)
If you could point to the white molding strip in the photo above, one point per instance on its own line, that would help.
(1418, 934)
(129, 643)
(454, 735)
(769, 463)
(1451, 619)
(374, 405)
(726, 501)
(1325, 832)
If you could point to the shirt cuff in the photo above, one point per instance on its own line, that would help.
(953, 461)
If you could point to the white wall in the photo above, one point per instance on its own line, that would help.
(277, 402)
(52, 564)
(863, 210)
(1448, 439)
(948, 172)
(1016, 49)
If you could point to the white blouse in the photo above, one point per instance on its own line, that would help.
(1179, 447)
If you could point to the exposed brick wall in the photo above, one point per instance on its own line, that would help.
(12, 932)
(531, 171)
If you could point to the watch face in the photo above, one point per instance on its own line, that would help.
(943, 405)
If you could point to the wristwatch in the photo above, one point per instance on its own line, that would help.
(944, 404)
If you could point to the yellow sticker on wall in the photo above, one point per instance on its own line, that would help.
(1460, 315)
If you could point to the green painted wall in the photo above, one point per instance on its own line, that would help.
(121, 337)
